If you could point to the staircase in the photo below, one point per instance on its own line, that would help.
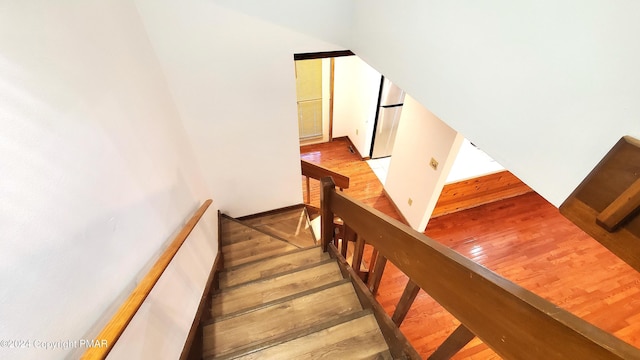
(280, 297)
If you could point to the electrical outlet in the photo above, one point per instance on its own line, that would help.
(356, 131)
(434, 164)
(410, 201)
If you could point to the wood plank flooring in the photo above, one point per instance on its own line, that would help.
(524, 239)
(469, 193)
(364, 185)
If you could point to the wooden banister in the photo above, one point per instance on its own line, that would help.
(513, 321)
(318, 172)
(606, 203)
(623, 207)
(115, 327)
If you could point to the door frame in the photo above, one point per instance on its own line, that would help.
(323, 55)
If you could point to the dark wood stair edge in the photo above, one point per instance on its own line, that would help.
(253, 262)
(398, 344)
(263, 232)
(291, 336)
(270, 277)
(212, 319)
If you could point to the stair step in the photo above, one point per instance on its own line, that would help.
(276, 301)
(275, 265)
(292, 226)
(357, 339)
(237, 298)
(266, 324)
(275, 217)
(234, 231)
(250, 250)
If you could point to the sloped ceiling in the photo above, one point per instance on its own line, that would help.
(545, 87)
(329, 20)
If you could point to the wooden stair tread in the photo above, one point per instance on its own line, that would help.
(295, 233)
(279, 296)
(237, 298)
(254, 249)
(359, 338)
(241, 235)
(292, 226)
(268, 323)
(233, 231)
(272, 266)
(275, 217)
(257, 239)
(236, 231)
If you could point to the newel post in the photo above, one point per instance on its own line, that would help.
(326, 226)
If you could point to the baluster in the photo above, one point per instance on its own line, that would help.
(358, 251)
(326, 225)
(406, 300)
(372, 260)
(454, 343)
(375, 274)
(347, 236)
(308, 191)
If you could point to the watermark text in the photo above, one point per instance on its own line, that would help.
(52, 345)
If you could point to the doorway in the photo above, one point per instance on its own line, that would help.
(314, 94)
(309, 98)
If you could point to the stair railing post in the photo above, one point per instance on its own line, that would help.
(326, 225)
(308, 190)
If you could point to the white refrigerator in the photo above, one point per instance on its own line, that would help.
(387, 119)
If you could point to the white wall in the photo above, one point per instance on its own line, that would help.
(356, 90)
(160, 327)
(545, 88)
(232, 77)
(96, 171)
(421, 136)
(471, 162)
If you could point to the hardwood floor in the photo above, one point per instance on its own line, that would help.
(469, 193)
(364, 185)
(524, 239)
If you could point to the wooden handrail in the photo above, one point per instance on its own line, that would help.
(607, 202)
(514, 322)
(623, 207)
(115, 327)
(318, 172)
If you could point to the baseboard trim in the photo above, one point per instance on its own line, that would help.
(271, 212)
(352, 146)
(192, 349)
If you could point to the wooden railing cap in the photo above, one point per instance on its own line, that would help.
(118, 323)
